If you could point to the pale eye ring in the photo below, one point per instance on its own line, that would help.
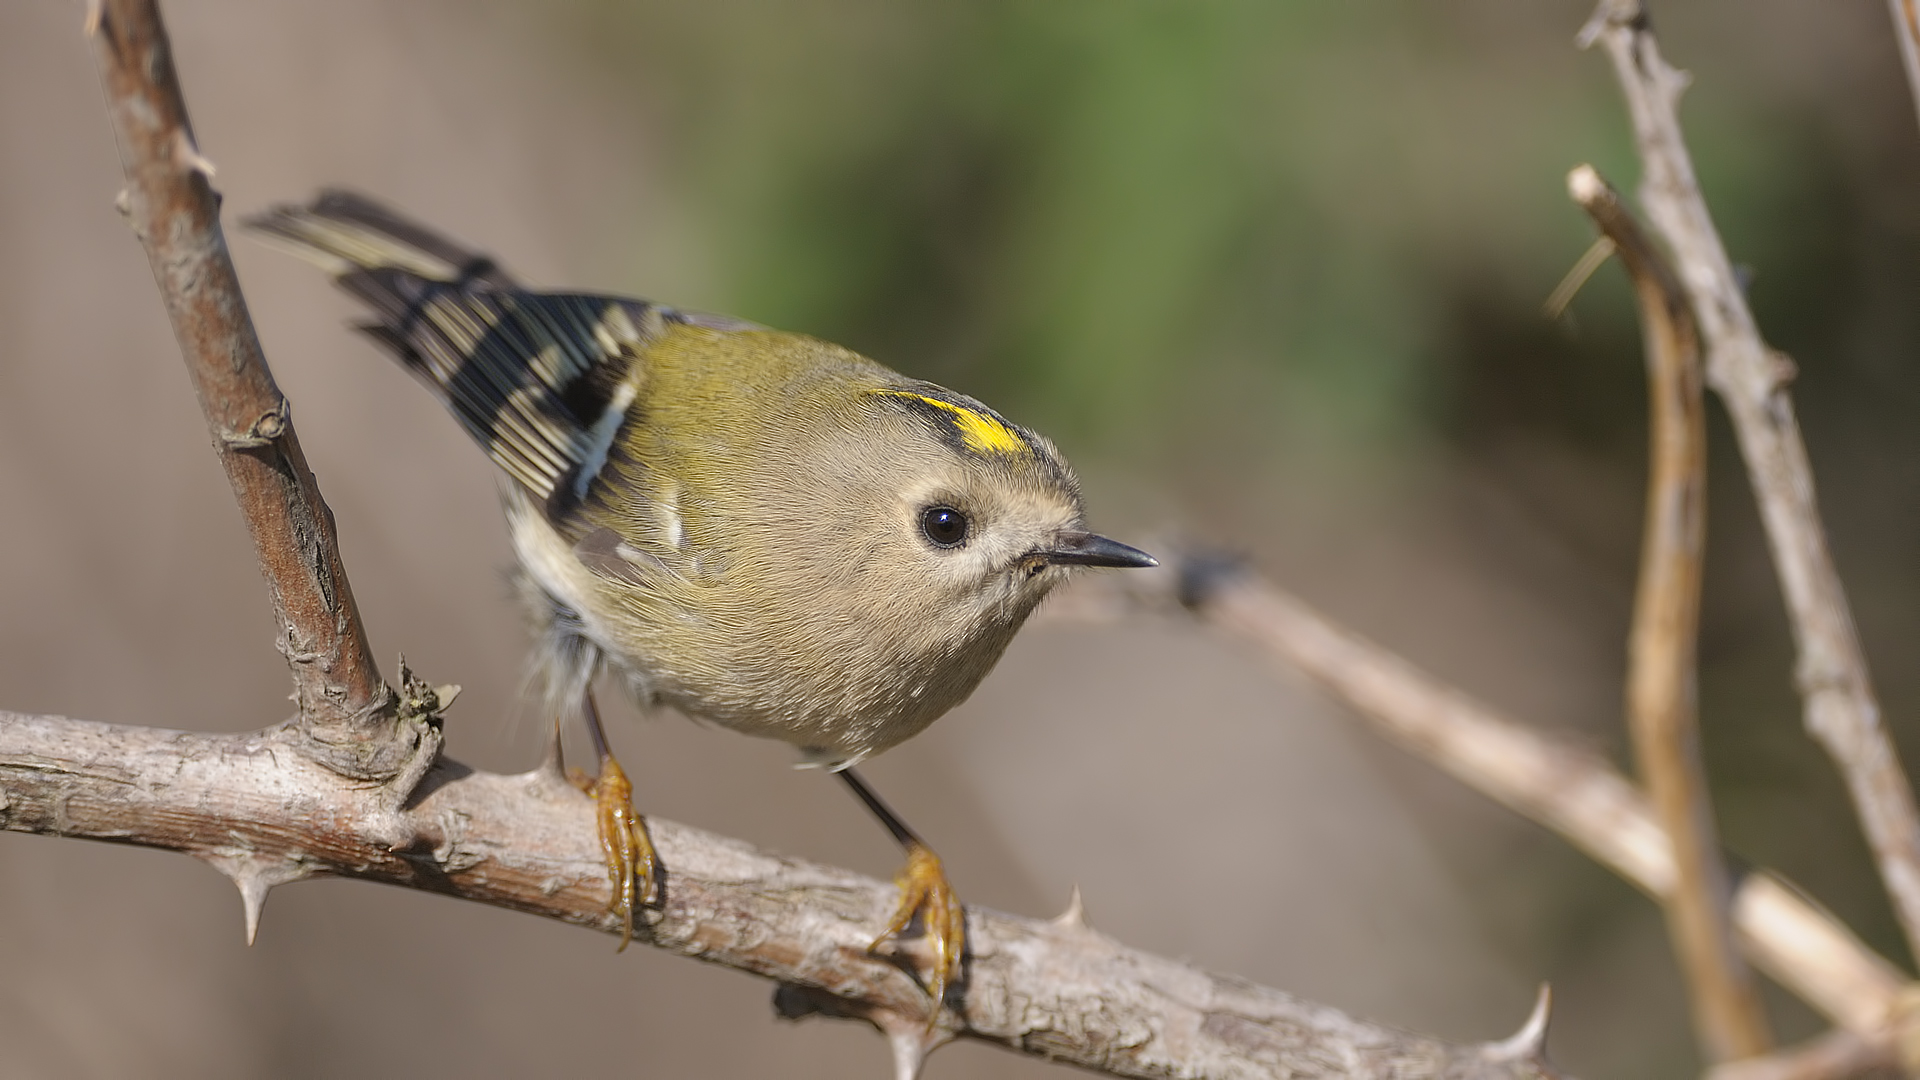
(943, 526)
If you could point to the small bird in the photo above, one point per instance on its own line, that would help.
(756, 528)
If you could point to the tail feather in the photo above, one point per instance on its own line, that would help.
(341, 231)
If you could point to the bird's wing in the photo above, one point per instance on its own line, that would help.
(543, 381)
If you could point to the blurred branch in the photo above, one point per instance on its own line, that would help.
(1570, 790)
(1841, 711)
(1906, 30)
(343, 705)
(1576, 278)
(1836, 1055)
(1058, 989)
(1661, 710)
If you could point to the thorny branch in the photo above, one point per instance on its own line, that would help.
(170, 202)
(1570, 790)
(355, 786)
(1751, 378)
(1661, 708)
(1055, 989)
(1832, 1056)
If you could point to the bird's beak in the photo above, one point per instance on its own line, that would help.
(1089, 549)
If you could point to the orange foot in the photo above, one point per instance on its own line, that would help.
(926, 893)
(632, 865)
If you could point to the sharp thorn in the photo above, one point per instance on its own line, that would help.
(1530, 1042)
(188, 156)
(1075, 917)
(911, 1039)
(255, 877)
(911, 1042)
(253, 894)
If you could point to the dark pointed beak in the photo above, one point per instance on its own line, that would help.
(1088, 549)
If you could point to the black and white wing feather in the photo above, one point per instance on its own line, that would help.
(543, 381)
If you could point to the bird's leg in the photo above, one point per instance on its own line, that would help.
(632, 865)
(925, 893)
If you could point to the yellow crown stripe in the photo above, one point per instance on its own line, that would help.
(979, 432)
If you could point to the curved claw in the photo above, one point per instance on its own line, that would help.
(632, 864)
(925, 892)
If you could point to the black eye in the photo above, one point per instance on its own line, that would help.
(944, 526)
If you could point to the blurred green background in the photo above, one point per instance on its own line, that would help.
(1271, 273)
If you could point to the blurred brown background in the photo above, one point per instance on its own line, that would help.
(1271, 275)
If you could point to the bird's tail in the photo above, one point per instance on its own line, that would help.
(342, 232)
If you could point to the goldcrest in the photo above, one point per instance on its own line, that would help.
(757, 528)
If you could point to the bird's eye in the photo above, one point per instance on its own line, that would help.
(944, 526)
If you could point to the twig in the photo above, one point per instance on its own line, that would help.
(172, 206)
(1906, 30)
(1661, 709)
(1055, 989)
(1576, 278)
(1751, 378)
(1572, 791)
(1836, 1055)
